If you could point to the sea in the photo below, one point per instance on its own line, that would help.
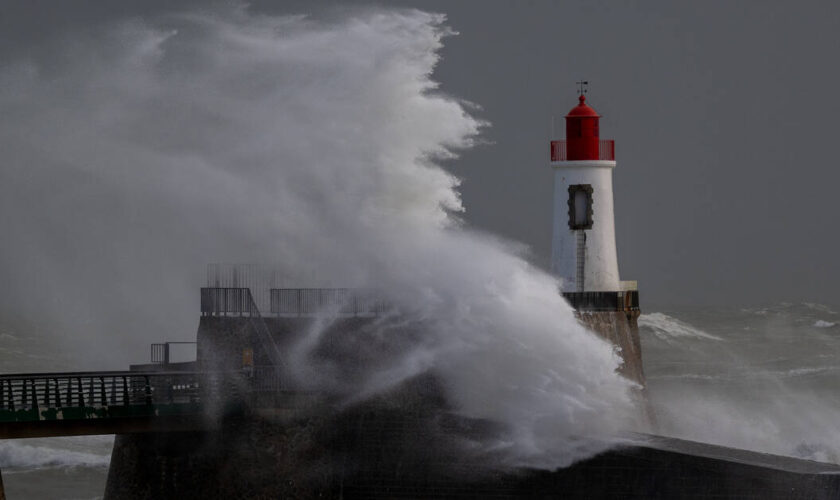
(761, 378)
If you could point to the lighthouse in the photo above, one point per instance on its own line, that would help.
(583, 245)
(583, 252)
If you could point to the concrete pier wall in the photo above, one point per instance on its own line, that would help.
(386, 453)
(408, 445)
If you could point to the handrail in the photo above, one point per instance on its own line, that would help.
(101, 394)
(92, 390)
(318, 301)
(114, 373)
(227, 302)
(270, 346)
(606, 150)
(160, 351)
(240, 302)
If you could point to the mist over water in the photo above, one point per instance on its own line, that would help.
(136, 154)
(762, 379)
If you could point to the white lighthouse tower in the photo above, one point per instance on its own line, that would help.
(583, 253)
(583, 246)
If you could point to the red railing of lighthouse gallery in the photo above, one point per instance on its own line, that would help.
(606, 150)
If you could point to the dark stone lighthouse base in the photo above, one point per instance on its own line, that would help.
(621, 328)
(614, 316)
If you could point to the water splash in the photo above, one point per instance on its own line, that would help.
(312, 144)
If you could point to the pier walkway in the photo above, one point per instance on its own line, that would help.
(115, 402)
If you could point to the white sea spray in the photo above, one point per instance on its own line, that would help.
(316, 145)
(667, 327)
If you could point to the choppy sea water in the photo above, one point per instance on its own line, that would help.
(48, 468)
(762, 378)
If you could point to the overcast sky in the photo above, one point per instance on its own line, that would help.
(724, 116)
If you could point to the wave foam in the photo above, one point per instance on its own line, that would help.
(749, 374)
(668, 328)
(14, 455)
(819, 307)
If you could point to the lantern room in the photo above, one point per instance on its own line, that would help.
(582, 137)
(582, 132)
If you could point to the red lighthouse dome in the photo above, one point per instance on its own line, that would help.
(582, 109)
(582, 139)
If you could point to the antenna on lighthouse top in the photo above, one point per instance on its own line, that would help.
(582, 87)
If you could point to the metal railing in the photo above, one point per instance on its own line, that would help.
(227, 302)
(160, 353)
(239, 302)
(257, 278)
(87, 390)
(606, 150)
(324, 301)
(85, 395)
(269, 345)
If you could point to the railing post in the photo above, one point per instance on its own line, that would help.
(251, 302)
(11, 395)
(125, 390)
(81, 392)
(24, 398)
(148, 390)
(103, 398)
(35, 399)
(57, 393)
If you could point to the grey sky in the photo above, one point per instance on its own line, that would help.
(724, 116)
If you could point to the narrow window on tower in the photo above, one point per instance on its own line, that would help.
(580, 206)
(575, 129)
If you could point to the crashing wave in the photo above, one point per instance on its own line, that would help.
(667, 327)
